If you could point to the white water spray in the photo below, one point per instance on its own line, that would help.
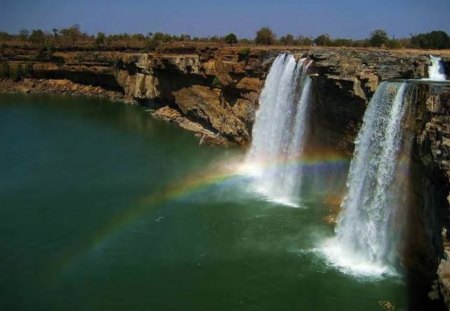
(436, 71)
(365, 240)
(280, 130)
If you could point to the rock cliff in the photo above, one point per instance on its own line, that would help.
(218, 87)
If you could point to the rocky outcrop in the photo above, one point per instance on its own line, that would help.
(64, 86)
(218, 87)
(172, 115)
(433, 151)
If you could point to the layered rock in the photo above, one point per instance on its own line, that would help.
(226, 81)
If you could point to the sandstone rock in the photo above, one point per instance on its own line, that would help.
(203, 105)
(206, 136)
(249, 84)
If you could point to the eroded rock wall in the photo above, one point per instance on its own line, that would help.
(218, 87)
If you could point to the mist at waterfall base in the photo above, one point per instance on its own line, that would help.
(104, 208)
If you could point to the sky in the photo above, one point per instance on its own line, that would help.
(339, 18)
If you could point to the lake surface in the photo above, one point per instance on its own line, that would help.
(105, 208)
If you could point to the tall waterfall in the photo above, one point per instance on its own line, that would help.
(436, 71)
(279, 131)
(365, 235)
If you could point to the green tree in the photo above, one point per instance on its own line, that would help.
(378, 38)
(23, 34)
(265, 36)
(231, 38)
(302, 40)
(432, 40)
(342, 42)
(100, 38)
(287, 39)
(71, 34)
(323, 40)
(4, 36)
(37, 36)
(4, 70)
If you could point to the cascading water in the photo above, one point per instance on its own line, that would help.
(436, 71)
(279, 131)
(365, 236)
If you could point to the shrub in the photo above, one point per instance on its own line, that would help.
(244, 53)
(216, 82)
(4, 70)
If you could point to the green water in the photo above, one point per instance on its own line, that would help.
(104, 208)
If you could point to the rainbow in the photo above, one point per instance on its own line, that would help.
(214, 175)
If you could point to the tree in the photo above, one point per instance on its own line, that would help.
(302, 40)
(378, 38)
(4, 36)
(23, 34)
(287, 39)
(231, 38)
(100, 38)
(37, 36)
(432, 40)
(265, 36)
(72, 33)
(55, 32)
(323, 40)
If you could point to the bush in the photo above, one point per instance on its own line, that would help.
(342, 42)
(393, 44)
(216, 82)
(243, 54)
(151, 44)
(4, 70)
(19, 71)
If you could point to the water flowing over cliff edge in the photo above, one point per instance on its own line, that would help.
(369, 225)
(274, 157)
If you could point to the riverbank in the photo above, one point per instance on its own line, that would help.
(63, 87)
(67, 87)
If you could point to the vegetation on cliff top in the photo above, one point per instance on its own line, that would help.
(72, 38)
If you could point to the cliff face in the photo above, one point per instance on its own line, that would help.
(218, 88)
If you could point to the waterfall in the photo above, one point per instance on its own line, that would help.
(279, 131)
(365, 234)
(436, 71)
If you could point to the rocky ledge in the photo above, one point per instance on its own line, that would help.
(217, 87)
(64, 87)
